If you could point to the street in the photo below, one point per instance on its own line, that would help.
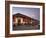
(26, 27)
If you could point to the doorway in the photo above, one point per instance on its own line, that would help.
(19, 21)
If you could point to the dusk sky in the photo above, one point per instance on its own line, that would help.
(31, 12)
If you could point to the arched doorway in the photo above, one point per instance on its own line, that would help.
(19, 20)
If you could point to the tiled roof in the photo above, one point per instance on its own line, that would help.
(21, 15)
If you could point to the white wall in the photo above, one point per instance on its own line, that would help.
(2, 19)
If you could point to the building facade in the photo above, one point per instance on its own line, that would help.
(21, 19)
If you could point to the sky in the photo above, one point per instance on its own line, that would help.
(31, 12)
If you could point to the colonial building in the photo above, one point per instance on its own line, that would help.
(23, 19)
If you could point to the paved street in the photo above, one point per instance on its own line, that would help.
(26, 27)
